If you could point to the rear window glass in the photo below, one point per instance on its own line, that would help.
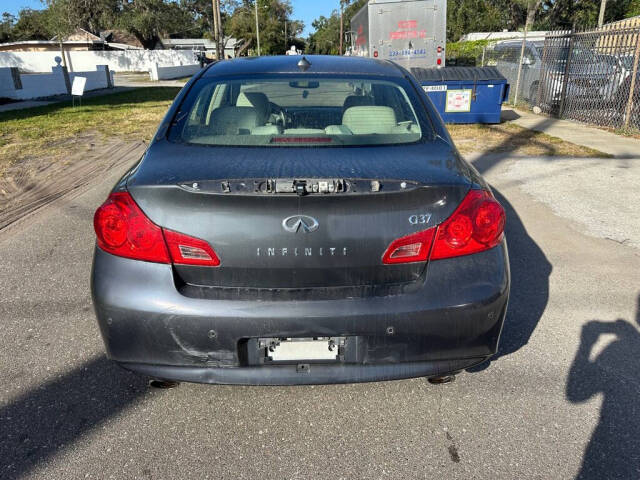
(297, 111)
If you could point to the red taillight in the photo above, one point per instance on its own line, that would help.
(476, 225)
(188, 250)
(412, 248)
(124, 230)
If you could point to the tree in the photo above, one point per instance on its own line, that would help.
(326, 37)
(94, 15)
(464, 16)
(272, 15)
(32, 25)
(581, 14)
(63, 21)
(6, 27)
(532, 8)
(149, 20)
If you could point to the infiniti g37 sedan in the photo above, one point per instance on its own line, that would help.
(299, 221)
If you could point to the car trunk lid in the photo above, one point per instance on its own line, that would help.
(301, 230)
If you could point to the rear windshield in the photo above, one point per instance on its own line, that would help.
(294, 111)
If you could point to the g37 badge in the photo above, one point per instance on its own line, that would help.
(420, 219)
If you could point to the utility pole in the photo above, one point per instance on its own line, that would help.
(286, 44)
(603, 6)
(257, 29)
(341, 25)
(532, 6)
(634, 76)
(220, 41)
(216, 27)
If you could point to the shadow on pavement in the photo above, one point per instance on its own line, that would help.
(503, 151)
(45, 420)
(508, 114)
(530, 271)
(614, 448)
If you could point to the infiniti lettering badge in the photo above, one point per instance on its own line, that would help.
(295, 223)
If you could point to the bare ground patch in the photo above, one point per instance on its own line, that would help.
(31, 184)
(514, 139)
(48, 152)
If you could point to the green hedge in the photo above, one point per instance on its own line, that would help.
(465, 53)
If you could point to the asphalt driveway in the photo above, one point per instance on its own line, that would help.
(559, 401)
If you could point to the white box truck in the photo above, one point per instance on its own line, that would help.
(412, 33)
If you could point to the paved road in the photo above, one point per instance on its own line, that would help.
(561, 399)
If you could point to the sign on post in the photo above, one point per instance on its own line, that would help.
(77, 87)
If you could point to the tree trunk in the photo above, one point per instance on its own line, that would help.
(64, 57)
(244, 47)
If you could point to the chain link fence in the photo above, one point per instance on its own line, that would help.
(591, 76)
(506, 55)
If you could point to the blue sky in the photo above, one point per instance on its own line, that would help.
(305, 10)
(309, 10)
(14, 6)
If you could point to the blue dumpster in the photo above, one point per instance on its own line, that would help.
(465, 94)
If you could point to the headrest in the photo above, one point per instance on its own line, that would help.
(233, 120)
(372, 119)
(356, 101)
(257, 100)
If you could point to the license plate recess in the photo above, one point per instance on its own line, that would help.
(312, 349)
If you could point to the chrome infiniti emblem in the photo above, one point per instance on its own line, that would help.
(295, 223)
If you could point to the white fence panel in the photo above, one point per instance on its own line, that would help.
(95, 80)
(57, 82)
(119, 61)
(167, 73)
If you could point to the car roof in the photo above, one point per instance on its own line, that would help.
(518, 43)
(320, 64)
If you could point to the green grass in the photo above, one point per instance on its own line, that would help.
(51, 130)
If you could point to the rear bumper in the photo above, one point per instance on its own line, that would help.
(290, 375)
(451, 321)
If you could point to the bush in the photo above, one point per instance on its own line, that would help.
(465, 53)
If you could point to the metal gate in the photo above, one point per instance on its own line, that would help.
(592, 76)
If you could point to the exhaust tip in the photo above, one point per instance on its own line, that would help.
(441, 380)
(162, 384)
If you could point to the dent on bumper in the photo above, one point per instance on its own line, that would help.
(451, 322)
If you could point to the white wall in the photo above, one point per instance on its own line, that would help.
(6, 83)
(118, 61)
(36, 85)
(166, 73)
(57, 82)
(95, 80)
